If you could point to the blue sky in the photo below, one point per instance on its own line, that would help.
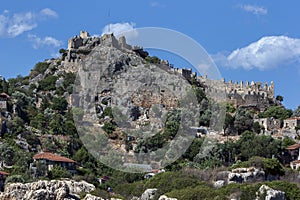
(249, 40)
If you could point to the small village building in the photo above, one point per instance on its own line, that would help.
(291, 123)
(51, 160)
(269, 123)
(293, 158)
(3, 101)
(295, 164)
(293, 151)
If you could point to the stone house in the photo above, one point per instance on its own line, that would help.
(51, 160)
(3, 101)
(295, 164)
(294, 155)
(291, 123)
(293, 151)
(269, 123)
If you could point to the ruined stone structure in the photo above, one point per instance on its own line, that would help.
(3, 101)
(253, 88)
(254, 94)
(269, 123)
(291, 123)
(248, 94)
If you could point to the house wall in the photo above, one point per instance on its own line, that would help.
(291, 123)
(3, 104)
(269, 123)
(294, 165)
(294, 154)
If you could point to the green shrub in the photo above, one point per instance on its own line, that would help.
(169, 181)
(59, 103)
(152, 59)
(15, 179)
(59, 172)
(200, 192)
(291, 190)
(128, 190)
(48, 83)
(41, 67)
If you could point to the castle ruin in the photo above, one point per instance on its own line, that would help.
(247, 94)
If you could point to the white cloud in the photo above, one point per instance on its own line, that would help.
(156, 4)
(49, 12)
(38, 42)
(266, 53)
(20, 23)
(12, 25)
(257, 10)
(118, 28)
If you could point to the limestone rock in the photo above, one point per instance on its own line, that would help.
(54, 190)
(241, 175)
(92, 197)
(219, 183)
(149, 194)
(164, 197)
(270, 194)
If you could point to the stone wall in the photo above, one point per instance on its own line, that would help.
(269, 123)
(3, 104)
(254, 94)
(291, 123)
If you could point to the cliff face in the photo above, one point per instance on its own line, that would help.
(51, 190)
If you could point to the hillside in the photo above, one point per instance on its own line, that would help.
(105, 106)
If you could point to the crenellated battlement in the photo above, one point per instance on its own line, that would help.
(253, 94)
(250, 88)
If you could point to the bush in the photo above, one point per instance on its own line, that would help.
(169, 181)
(200, 192)
(48, 83)
(278, 112)
(15, 179)
(59, 103)
(152, 59)
(41, 67)
(109, 128)
(59, 172)
(128, 190)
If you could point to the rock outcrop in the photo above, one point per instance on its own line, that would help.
(270, 194)
(164, 197)
(219, 183)
(47, 190)
(149, 194)
(243, 175)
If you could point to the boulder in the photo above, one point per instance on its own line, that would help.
(54, 190)
(219, 183)
(245, 175)
(269, 193)
(92, 197)
(149, 194)
(164, 197)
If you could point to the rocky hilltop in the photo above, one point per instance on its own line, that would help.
(125, 101)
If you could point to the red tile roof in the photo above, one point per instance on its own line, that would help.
(296, 161)
(293, 118)
(3, 173)
(52, 157)
(293, 147)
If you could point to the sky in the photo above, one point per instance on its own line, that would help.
(257, 40)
